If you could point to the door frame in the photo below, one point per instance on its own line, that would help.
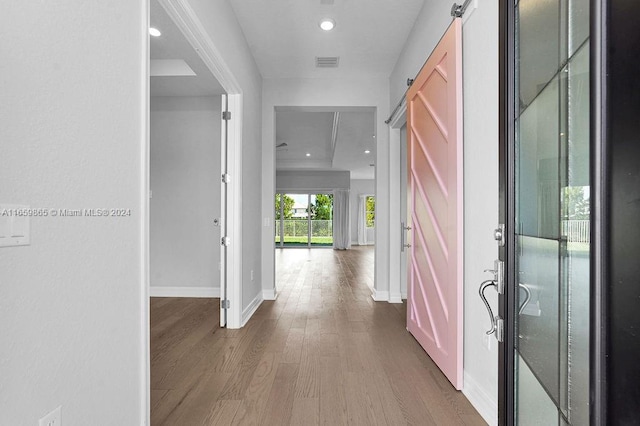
(600, 231)
(187, 21)
(397, 120)
(506, 211)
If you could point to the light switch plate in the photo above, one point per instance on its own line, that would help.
(15, 229)
(54, 418)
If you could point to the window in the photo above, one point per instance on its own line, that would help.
(371, 211)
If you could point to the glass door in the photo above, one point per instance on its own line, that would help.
(321, 220)
(304, 220)
(548, 223)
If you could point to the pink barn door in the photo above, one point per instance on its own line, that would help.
(434, 155)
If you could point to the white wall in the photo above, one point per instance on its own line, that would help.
(72, 310)
(334, 93)
(185, 180)
(480, 63)
(359, 187)
(311, 180)
(222, 26)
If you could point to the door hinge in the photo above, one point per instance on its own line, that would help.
(226, 115)
(500, 329)
(226, 178)
(225, 241)
(225, 304)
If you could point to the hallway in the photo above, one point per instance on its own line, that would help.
(323, 353)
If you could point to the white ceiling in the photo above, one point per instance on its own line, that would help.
(310, 130)
(285, 37)
(173, 45)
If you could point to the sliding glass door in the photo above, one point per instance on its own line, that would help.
(304, 220)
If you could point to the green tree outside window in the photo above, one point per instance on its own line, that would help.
(371, 212)
(288, 206)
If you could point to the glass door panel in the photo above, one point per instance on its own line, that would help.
(552, 222)
(296, 211)
(538, 153)
(321, 223)
(538, 310)
(538, 46)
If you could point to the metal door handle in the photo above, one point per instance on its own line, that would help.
(527, 298)
(483, 287)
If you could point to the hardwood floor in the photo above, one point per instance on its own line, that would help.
(323, 353)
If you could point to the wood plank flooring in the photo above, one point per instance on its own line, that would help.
(323, 353)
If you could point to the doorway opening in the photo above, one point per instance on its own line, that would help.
(187, 156)
(325, 175)
(195, 122)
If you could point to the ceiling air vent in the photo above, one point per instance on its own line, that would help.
(327, 61)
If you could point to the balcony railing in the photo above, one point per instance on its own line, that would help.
(296, 231)
(576, 231)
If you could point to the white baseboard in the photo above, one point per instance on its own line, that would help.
(395, 298)
(486, 405)
(184, 292)
(251, 309)
(269, 294)
(380, 296)
(404, 295)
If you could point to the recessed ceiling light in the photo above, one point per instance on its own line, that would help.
(374, 136)
(308, 155)
(367, 151)
(327, 24)
(154, 32)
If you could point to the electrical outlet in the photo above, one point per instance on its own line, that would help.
(486, 341)
(54, 418)
(252, 275)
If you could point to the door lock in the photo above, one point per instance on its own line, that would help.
(498, 275)
(498, 235)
